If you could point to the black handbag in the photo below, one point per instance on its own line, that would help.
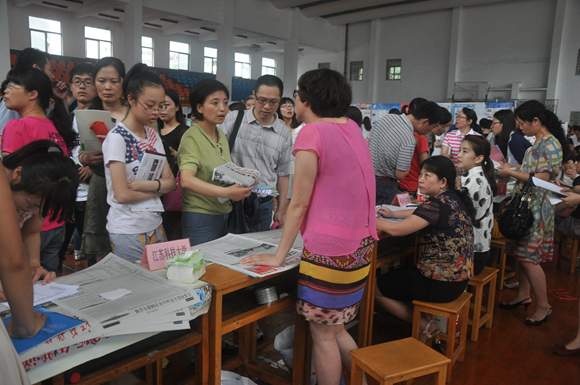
(517, 219)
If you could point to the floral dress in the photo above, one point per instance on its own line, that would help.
(537, 245)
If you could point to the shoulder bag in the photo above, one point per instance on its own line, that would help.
(517, 219)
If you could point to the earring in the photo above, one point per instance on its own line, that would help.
(122, 97)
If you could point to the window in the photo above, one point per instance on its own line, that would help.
(394, 69)
(210, 60)
(242, 65)
(98, 43)
(268, 66)
(178, 55)
(356, 70)
(147, 50)
(45, 35)
(574, 118)
(323, 65)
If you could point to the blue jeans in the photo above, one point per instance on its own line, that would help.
(267, 208)
(201, 228)
(386, 191)
(50, 242)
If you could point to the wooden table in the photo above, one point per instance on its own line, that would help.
(226, 281)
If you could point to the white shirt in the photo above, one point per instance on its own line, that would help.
(481, 195)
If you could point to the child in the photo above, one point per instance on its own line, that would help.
(123, 149)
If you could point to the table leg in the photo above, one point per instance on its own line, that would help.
(366, 310)
(300, 336)
(247, 343)
(215, 339)
(202, 350)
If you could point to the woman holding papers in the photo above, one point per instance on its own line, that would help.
(543, 159)
(131, 225)
(203, 148)
(509, 140)
(333, 204)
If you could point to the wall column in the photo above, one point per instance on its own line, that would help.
(453, 52)
(225, 45)
(133, 32)
(4, 38)
(290, 78)
(555, 52)
(371, 74)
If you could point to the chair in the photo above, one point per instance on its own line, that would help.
(499, 245)
(573, 256)
(450, 311)
(487, 276)
(397, 361)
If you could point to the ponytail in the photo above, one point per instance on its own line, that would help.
(62, 120)
(481, 146)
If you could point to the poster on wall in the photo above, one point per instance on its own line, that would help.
(492, 108)
(365, 109)
(479, 109)
(379, 110)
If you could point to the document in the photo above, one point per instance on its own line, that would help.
(49, 292)
(151, 168)
(88, 138)
(228, 250)
(555, 190)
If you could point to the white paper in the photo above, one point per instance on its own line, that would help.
(150, 204)
(228, 250)
(115, 294)
(88, 139)
(554, 200)
(151, 166)
(548, 186)
(49, 292)
(230, 174)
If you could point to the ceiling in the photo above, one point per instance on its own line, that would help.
(335, 12)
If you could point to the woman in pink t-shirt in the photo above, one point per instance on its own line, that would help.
(29, 92)
(333, 205)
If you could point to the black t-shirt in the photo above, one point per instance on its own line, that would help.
(173, 139)
(576, 212)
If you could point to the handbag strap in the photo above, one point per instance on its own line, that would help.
(237, 124)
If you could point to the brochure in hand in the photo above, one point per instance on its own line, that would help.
(151, 168)
(88, 138)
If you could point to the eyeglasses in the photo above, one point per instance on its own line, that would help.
(12, 85)
(494, 123)
(295, 94)
(264, 101)
(86, 82)
(151, 110)
(291, 106)
(461, 117)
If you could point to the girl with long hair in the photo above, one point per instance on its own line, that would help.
(131, 230)
(479, 181)
(508, 138)
(172, 126)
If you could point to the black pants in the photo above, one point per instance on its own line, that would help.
(78, 224)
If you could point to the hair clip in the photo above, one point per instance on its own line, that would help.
(53, 149)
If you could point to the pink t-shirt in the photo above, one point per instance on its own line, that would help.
(19, 132)
(342, 206)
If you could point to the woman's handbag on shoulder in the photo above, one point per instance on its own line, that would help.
(518, 218)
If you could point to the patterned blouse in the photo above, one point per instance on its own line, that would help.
(447, 242)
(480, 193)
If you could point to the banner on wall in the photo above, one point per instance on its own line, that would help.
(379, 110)
(492, 108)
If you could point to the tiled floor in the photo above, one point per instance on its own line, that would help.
(508, 353)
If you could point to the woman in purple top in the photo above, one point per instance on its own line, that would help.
(333, 200)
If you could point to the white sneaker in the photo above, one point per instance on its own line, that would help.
(78, 255)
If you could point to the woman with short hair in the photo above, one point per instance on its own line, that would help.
(333, 202)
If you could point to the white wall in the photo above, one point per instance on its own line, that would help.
(568, 88)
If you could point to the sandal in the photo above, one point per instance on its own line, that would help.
(429, 335)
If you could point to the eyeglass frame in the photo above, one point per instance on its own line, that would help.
(151, 110)
(264, 101)
(84, 82)
(288, 105)
(11, 85)
(493, 123)
(295, 93)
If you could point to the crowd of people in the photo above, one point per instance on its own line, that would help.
(332, 170)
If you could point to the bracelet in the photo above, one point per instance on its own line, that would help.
(158, 187)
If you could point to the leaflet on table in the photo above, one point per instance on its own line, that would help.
(393, 208)
(88, 139)
(49, 292)
(228, 250)
(55, 325)
(274, 236)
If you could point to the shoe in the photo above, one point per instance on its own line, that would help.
(533, 322)
(430, 335)
(78, 255)
(512, 285)
(505, 305)
(563, 351)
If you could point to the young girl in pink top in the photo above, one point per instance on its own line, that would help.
(333, 205)
(29, 92)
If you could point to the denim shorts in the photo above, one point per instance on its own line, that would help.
(130, 247)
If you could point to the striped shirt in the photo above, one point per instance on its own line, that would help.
(453, 140)
(267, 149)
(392, 145)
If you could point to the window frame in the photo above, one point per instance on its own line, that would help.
(394, 64)
(359, 65)
(98, 41)
(147, 48)
(179, 56)
(45, 34)
(208, 56)
(244, 66)
(273, 69)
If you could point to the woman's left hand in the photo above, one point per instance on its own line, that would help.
(504, 170)
(261, 260)
(39, 272)
(139, 185)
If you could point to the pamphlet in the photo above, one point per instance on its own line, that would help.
(88, 139)
(151, 168)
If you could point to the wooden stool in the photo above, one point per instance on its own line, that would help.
(487, 276)
(499, 244)
(573, 256)
(397, 361)
(450, 311)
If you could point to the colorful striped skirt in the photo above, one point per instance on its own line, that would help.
(330, 288)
